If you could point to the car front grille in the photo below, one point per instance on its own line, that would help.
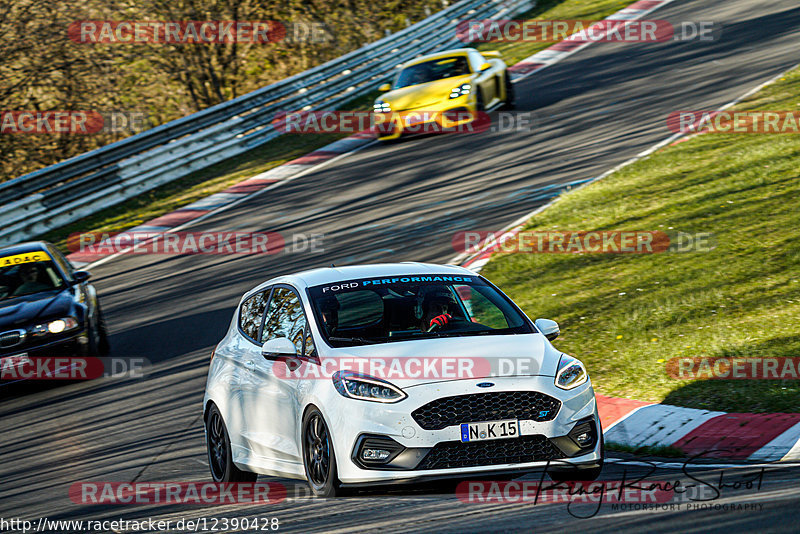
(454, 454)
(478, 407)
(12, 338)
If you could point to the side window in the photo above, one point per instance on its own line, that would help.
(475, 61)
(62, 262)
(285, 318)
(251, 312)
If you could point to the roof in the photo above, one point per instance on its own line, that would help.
(437, 55)
(327, 275)
(22, 248)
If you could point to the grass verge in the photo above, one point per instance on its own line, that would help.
(626, 315)
(216, 178)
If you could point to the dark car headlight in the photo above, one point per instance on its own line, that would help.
(56, 326)
(365, 387)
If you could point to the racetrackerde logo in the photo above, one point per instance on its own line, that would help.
(183, 243)
(406, 368)
(733, 368)
(189, 32)
(582, 242)
(734, 122)
(411, 122)
(24, 367)
(180, 493)
(538, 492)
(582, 31)
(81, 122)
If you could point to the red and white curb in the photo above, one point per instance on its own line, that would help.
(765, 437)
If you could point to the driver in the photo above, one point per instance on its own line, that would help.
(438, 309)
(329, 308)
(33, 280)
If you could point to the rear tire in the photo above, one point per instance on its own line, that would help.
(510, 96)
(319, 459)
(218, 444)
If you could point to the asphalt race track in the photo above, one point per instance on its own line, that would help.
(397, 202)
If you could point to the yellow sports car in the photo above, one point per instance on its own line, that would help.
(442, 92)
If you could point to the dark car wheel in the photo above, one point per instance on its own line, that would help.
(98, 336)
(219, 451)
(510, 97)
(319, 459)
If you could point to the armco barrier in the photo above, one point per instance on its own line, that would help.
(67, 191)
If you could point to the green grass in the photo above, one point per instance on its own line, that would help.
(213, 179)
(625, 315)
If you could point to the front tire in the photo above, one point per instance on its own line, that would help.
(510, 97)
(319, 460)
(218, 444)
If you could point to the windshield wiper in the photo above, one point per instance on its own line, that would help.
(362, 340)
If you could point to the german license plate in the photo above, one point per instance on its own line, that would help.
(489, 430)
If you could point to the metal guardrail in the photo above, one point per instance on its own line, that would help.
(67, 191)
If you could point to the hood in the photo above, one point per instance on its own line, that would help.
(423, 361)
(424, 94)
(22, 311)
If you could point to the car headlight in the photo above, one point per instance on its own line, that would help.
(57, 326)
(365, 387)
(381, 107)
(571, 373)
(461, 90)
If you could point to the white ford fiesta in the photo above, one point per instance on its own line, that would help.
(375, 374)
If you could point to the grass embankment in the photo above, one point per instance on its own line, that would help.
(625, 315)
(213, 179)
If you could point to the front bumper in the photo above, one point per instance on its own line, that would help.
(446, 116)
(423, 454)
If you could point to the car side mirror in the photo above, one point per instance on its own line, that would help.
(385, 87)
(548, 328)
(278, 347)
(486, 66)
(79, 277)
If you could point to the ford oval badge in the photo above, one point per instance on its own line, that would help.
(485, 384)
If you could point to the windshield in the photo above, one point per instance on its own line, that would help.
(25, 274)
(404, 307)
(430, 71)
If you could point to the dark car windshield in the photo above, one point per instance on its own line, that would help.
(429, 71)
(26, 274)
(404, 307)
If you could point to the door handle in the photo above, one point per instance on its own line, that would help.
(250, 364)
